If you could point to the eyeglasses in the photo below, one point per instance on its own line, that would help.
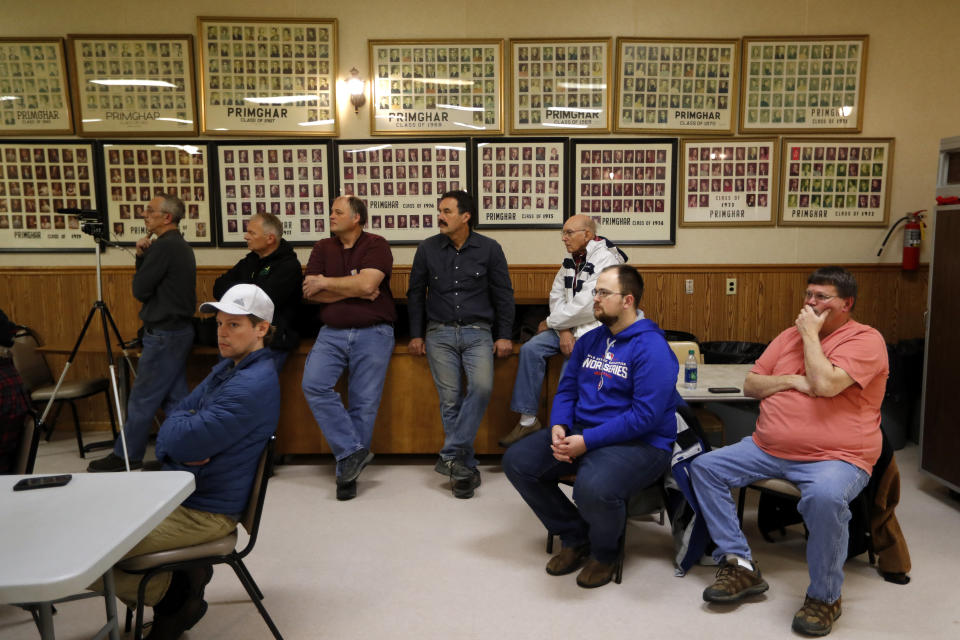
(819, 297)
(603, 293)
(566, 233)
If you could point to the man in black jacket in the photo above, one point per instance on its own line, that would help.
(273, 266)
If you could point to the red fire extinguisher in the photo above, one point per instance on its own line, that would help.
(911, 239)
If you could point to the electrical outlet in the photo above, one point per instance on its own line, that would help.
(731, 286)
(688, 286)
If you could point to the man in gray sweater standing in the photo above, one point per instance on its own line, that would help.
(165, 282)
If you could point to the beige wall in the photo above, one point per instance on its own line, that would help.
(912, 89)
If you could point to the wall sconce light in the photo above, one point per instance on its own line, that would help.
(355, 87)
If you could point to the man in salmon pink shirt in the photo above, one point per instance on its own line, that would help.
(820, 384)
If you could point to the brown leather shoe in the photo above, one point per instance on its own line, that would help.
(519, 431)
(595, 574)
(816, 617)
(568, 560)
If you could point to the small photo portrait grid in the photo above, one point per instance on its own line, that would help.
(289, 181)
(520, 183)
(401, 184)
(836, 181)
(137, 173)
(134, 85)
(802, 84)
(729, 181)
(628, 188)
(422, 88)
(33, 88)
(679, 85)
(37, 179)
(560, 84)
(251, 69)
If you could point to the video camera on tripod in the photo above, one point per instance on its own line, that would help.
(92, 222)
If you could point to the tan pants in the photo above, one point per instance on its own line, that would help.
(182, 528)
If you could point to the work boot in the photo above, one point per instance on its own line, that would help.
(595, 573)
(568, 560)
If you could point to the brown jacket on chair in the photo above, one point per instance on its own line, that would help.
(893, 557)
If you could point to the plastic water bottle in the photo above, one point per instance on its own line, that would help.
(690, 371)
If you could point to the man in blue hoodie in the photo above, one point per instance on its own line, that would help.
(614, 424)
(218, 433)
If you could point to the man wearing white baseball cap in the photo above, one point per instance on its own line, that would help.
(217, 433)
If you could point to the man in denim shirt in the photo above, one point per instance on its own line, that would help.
(165, 282)
(460, 302)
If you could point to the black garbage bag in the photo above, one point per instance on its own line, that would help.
(729, 352)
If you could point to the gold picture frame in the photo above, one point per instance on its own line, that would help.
(133, 85)
(436, 87)
(269, 76)
(677, 85)
(803, 84)
(836, 182)
(560, 85)
(34, 91)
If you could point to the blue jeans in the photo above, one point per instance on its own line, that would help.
(606, 479)
(826, 488)
(161, 382)
(365, 352)
(532, 369)
(450, 349)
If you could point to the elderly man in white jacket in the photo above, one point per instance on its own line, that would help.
(571, 315)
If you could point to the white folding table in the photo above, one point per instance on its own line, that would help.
(56, 541)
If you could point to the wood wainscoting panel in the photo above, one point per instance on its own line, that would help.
(54, 301)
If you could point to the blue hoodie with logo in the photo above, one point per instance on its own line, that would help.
(621, 387)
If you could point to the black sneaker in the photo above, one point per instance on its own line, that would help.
(112, 462)
(352, 465)
(346, 490)
(443, 466)
(463, 479)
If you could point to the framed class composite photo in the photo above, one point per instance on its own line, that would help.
(836, 182)
(291, 180)
(729, 182)
(436, 87)
(803, 84)
(676, 85)
(136, 172)
(560, 85)
(520, 182)
(132, 85)
(268, 76)
(34, 94)
(628, 187)
(36, 179)
(401, 182)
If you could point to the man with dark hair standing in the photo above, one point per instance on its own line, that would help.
(820, 385)
(614, 423)
(165, 282)
(273, 266)
(348, 275)
(461, 309)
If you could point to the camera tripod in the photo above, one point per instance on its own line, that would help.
(108, 324)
